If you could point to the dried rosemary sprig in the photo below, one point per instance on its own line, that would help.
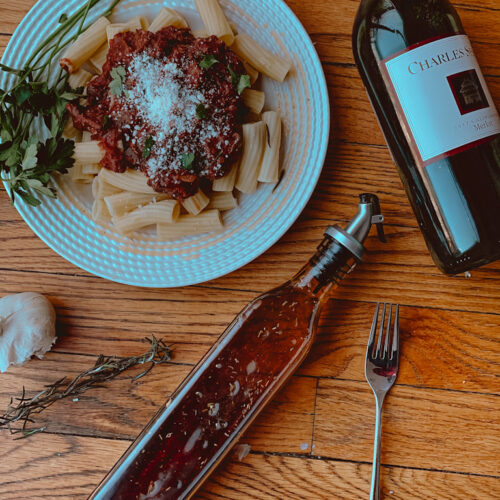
(105, 368)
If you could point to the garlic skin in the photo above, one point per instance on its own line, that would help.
(27, 328)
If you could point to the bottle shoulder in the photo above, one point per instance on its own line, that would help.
(385, 27)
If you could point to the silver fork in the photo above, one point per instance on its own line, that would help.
(381, 370)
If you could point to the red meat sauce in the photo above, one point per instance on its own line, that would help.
(178, 160)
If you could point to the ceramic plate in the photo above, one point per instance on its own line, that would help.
(261, 218)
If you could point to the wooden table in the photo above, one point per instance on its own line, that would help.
(441, 437)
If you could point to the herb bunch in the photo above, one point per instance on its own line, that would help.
(36, 99)
(105, 368)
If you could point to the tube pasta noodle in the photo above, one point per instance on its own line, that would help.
(79, 79)
(214, 20)
(189, 225)
(71, 132)
(251, 72)
(121, 203)
(270, 168)
(85, 46)
(144, 22)
(167, 17)
(100, 212)
(132, 25)
(77, 174)
(99, 58)
(200, 33)
(88, 152)
(101, 189)
(223, 201)
(254, 100)
(227, 182)
(196, 203)
(130, 180)
(163, 212)
(254, 141)
(263, 60)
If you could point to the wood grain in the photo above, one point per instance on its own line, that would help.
(441, 425)
(68, 468)
(425, 428)
(121, 408)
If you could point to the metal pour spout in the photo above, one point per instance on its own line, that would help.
(354, 235)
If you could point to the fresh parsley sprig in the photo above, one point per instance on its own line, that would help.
(241, 82)
(36, 100)
(116, 86)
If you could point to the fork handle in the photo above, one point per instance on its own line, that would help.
(375, 487)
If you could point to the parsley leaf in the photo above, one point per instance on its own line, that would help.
(244, 83)
(116, 85)
(201, 111)
(63, 18)
(106, 122)
(30, 159)
(148, 146)
(187, 160)
(234, 76)
(208, 61)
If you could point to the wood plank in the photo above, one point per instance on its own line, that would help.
(400, 271)
(69, 467)
(122, 408)
(332, 33)
(63, 467)
(266, 477)
(440, 349)
(422, 428)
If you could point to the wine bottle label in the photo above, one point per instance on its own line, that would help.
(442, 98)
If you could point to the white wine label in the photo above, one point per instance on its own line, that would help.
(442, 97)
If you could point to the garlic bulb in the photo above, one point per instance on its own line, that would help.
(27, 328)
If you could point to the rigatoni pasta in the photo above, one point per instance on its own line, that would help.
(167, 17)
(131, 180)
(263, 60)
(101, 189)
(254, 141)
(163, 212)
(124, 202)
(254, 100)
(190, 225)
(223, 201)
(85, 46)
(88, 152)
(227, 182)
(270, 167)
(99, 58)
(79, 79)
(195, 204)
(215, 20)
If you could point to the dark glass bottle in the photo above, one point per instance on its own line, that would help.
(245, 368)
(439, 121)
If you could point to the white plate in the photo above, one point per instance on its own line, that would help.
(261, 219)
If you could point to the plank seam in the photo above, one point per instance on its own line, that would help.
(362, 462)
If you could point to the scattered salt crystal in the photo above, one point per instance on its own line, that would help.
(242, 451)
(304, 446)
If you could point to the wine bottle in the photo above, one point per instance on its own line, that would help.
(228, 388)
(439, 121)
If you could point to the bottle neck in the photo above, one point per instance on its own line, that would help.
(326, 269)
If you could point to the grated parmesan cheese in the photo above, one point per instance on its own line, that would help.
(156, 90)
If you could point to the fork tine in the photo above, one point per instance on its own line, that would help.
(387, 334)
(395, 338)
(371, 340)
(381, 333)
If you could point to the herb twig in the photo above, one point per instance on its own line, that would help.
(105, 368)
